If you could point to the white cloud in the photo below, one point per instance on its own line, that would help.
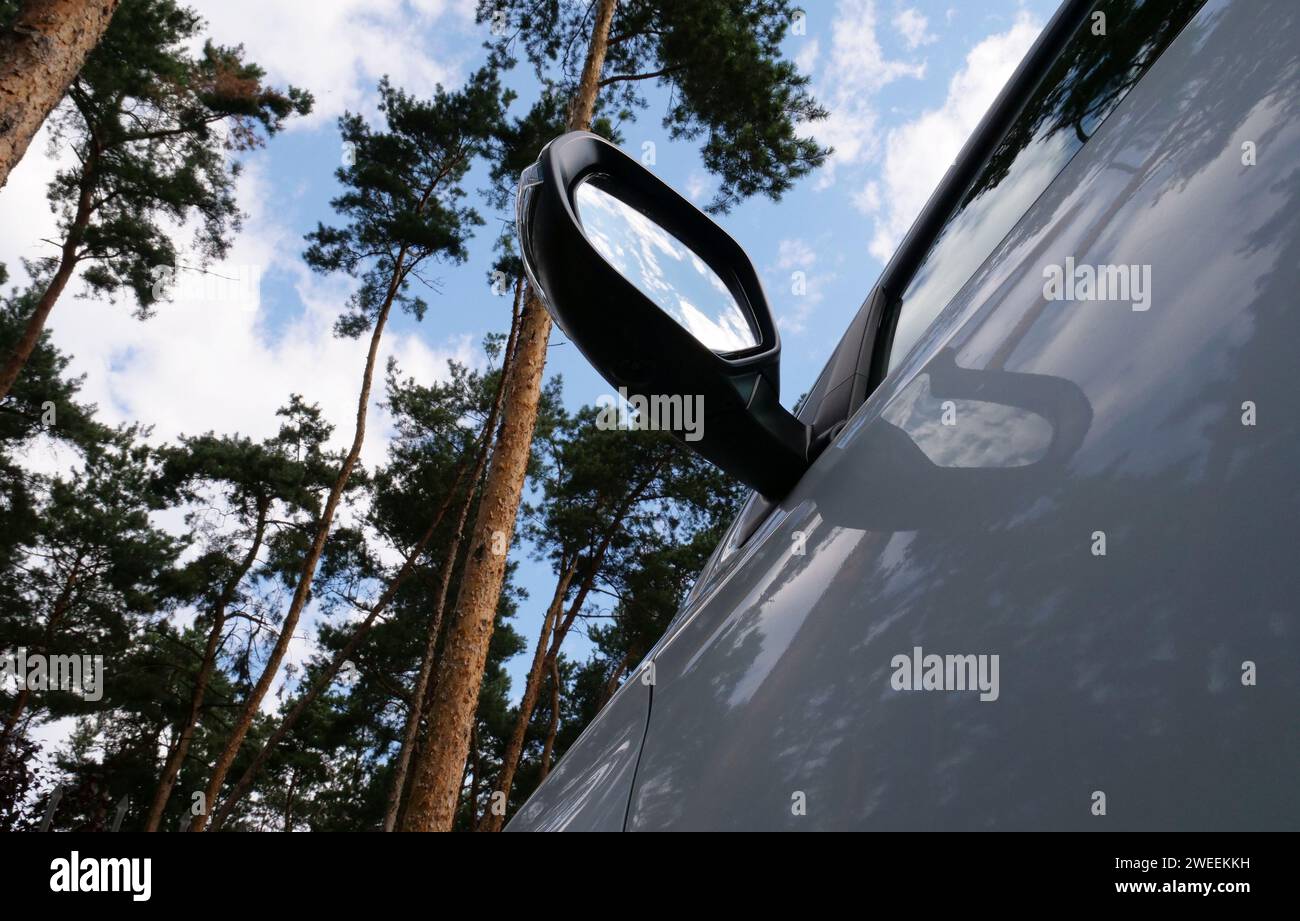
(806, 57)
(698, 185)
(339, 49)
(867, 198)
(26, 210)
(796, 289)
(914, 28)
(919, 152)
(199, 366)
(855, 72)
(794, 254)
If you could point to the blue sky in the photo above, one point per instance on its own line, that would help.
(905, 82)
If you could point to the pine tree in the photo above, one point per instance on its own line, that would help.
(258, 487)
(92, 574)
(402, 203)
(42, 405)
(450, 404)
(151, 125)
(42, 410)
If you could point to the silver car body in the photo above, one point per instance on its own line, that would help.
(1111, 510)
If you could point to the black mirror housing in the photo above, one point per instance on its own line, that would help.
(635, 344)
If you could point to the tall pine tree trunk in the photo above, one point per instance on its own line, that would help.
(40, 54)
(612, 684)
(176, 757)
(548, 748)
(68, 257)
(420, 693)
(303, 590)
(441, 766)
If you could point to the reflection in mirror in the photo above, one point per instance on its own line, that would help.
(664, 270)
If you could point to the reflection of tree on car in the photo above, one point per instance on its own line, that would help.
(1090, 77)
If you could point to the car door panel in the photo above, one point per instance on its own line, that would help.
(1120, 672)
(589, 788)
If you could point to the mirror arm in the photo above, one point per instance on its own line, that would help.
(788, 443)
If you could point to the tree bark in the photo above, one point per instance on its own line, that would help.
(554, 727)
(421, 690)
(40, 54)
(303, 590)
(411, 728)
(176, 757)
(441, 766)
(583, 105)
(288, 801)
(475, 765)
(68, 258)
(612, 684)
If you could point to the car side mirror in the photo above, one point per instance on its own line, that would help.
(663, 303)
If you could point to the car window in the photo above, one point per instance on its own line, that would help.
(1110, 51)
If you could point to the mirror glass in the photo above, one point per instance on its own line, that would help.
(664, 270)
